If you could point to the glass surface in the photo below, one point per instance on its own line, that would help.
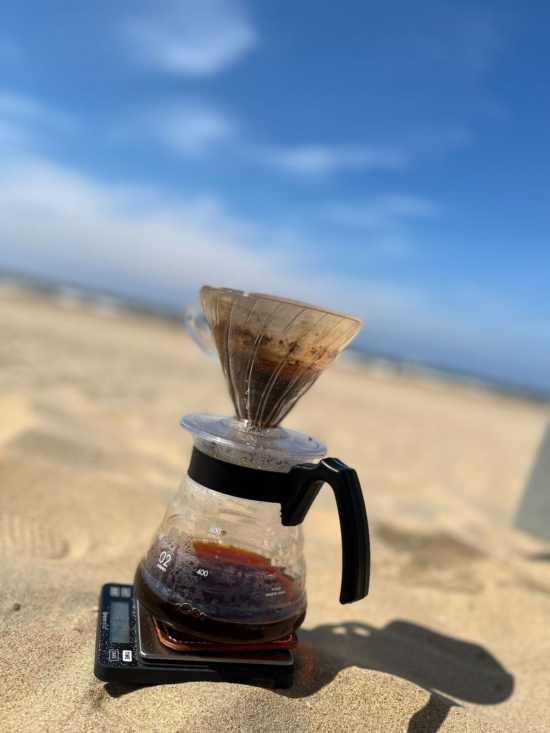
(224, 569)
(120, 622)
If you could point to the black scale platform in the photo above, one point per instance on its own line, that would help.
(129, 650)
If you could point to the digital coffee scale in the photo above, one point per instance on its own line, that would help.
(129, 650)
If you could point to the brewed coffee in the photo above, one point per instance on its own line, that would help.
(222, 592)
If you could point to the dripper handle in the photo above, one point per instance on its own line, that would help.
(197, 327)
(306, 481)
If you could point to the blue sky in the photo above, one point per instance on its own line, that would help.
(390, 160)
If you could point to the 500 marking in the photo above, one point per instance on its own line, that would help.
(164, 559)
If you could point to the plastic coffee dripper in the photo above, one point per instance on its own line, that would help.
(272, 350)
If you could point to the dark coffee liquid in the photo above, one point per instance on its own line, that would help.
(281, 370)
(234, 579)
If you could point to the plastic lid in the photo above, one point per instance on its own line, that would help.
(236, 441)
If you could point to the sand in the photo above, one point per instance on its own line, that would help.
(455, 634)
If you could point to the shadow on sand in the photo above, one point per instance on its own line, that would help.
(438, 663)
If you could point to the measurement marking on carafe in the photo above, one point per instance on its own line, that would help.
(203, 572)
(217, 531)
(164, 559)
(276, 590)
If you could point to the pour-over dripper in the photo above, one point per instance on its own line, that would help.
(272, 349)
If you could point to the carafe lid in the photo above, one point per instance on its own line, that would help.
(236, 441)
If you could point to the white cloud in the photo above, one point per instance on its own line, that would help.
(319, 160)
(13, 135)
(187, 128)
(24, 120)
(22, 109)
(138, 242)
(192, 37)
(67, 223)
(191, 129)
(383, 212)
(386, 220)
(441, 139)
(61, 224)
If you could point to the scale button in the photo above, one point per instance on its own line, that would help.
(114, 591)
(126, 655)
(113, 655)
(126, 592)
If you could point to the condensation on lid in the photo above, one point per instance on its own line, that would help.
(232, 440)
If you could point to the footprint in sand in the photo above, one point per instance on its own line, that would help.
(24, 538)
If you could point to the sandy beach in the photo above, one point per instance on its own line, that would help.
(455, 634)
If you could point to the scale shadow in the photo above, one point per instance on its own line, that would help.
(442, 665)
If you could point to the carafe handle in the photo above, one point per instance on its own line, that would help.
(306, 481)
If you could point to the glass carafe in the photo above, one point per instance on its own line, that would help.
(227, 563)
(224, 568)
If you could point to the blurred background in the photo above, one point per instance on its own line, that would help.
(386, 160)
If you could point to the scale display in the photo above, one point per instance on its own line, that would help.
(120, 622)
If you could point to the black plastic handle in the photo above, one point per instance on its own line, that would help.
(305, 483)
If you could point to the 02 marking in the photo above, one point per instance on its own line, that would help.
(164, 560)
